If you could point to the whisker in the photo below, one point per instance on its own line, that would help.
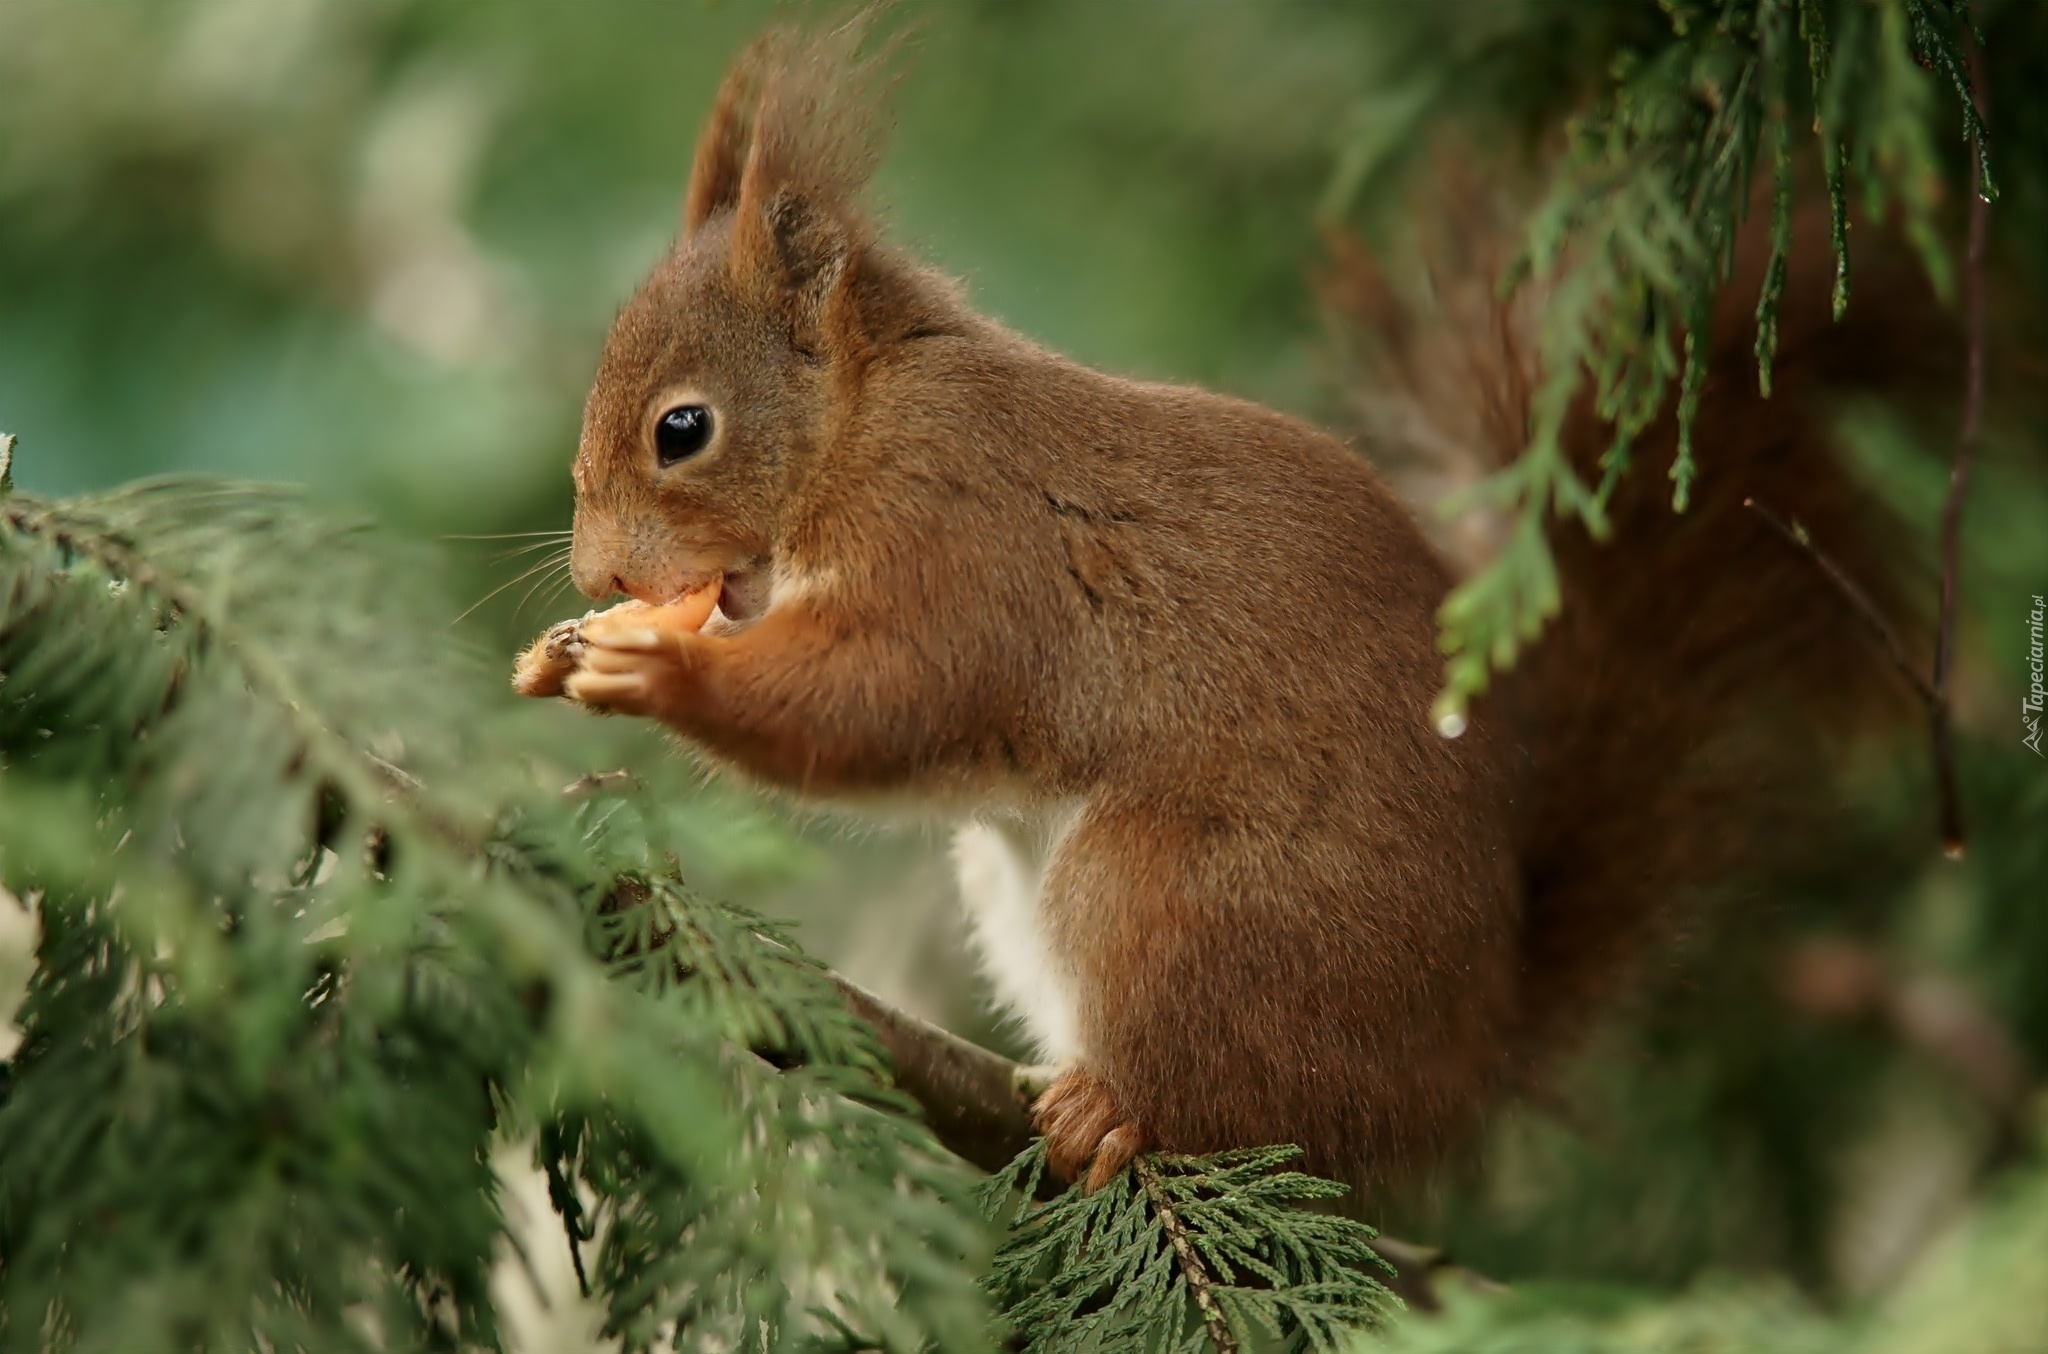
(519, 550)
(555, 585)
(564, 586)
(512, 536)
(552, 563)
(538, 583)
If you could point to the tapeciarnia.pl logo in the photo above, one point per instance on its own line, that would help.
(2030, 704)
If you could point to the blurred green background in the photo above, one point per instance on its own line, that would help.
(372, 246)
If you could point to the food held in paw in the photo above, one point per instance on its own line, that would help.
(547, 664)
(687, 613)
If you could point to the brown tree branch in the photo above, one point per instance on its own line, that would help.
(978, 1103)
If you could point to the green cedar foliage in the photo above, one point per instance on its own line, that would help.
(1183, 1254)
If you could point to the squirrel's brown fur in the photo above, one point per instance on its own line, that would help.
(962, 570)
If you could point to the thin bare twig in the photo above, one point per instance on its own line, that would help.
(1200, 1285)
(1959, 474)
(1933, 698)
(1859, 601)
(594, 782)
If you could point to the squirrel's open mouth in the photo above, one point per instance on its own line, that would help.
(743, 596)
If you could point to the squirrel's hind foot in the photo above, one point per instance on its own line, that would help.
(1084, 1124)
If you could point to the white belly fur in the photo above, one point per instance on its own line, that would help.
(1000, 861)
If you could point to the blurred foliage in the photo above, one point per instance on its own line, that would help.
(1637, 231)
(318, 927)
(1978, 1293)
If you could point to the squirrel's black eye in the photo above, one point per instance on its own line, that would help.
(683, 432)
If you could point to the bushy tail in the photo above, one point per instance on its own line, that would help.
(1674, 712)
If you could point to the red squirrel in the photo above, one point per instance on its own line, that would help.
(1170, 656)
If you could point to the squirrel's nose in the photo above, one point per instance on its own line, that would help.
(602, 568)
(638, 591)
(592, 579)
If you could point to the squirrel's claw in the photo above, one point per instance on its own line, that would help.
(1119, 1146)
(548, 662)
(1082, 1121)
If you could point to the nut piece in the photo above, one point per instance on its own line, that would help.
(687, 613)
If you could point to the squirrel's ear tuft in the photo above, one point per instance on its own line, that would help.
(811, 145)
(722, 149)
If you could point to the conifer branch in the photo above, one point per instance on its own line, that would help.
(1637, 236)
(1108, 1270)
(238, 692)
(361, 774)
(1200, 1286)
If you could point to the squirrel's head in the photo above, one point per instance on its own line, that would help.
(726, 375)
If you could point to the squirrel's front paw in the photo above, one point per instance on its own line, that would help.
(1082, 1120)
(634, 659)
(635, 672)
(641, 660)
